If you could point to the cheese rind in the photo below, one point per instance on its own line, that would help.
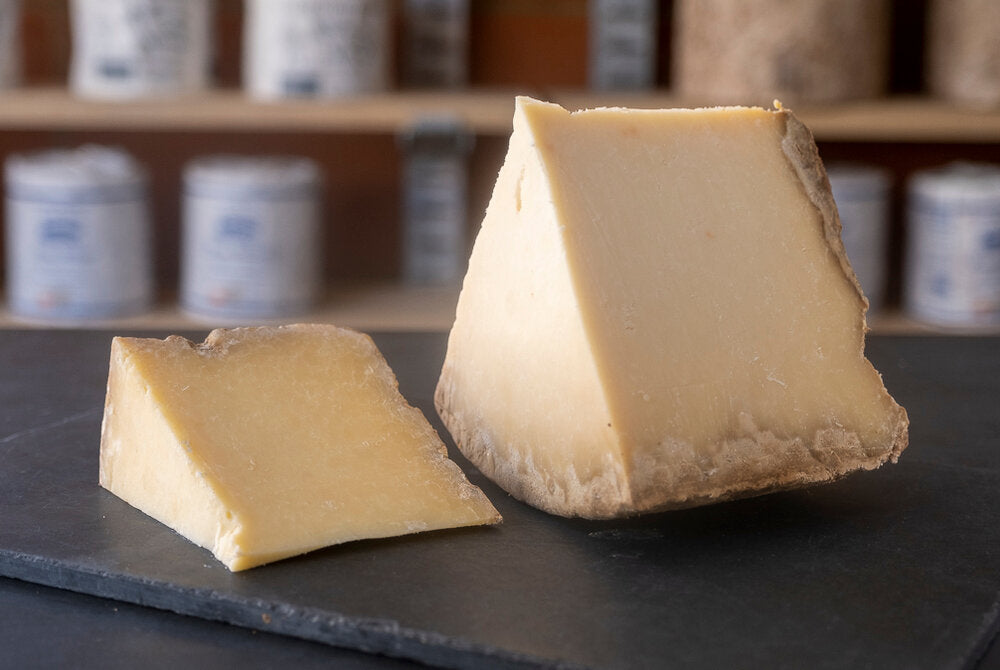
(265, 443)
(659, 313)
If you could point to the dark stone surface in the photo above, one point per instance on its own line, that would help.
(43, 627)
(896, 568)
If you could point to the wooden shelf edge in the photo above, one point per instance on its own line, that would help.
(394, 307)
(368, 307)
(895, 322)
(485, 111)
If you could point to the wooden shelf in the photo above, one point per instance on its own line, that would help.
(486, 112)
(903, 121)
(389, 306)
(386, 306)
(896, 323)
(369, 307)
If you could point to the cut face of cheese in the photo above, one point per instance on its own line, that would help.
(659, 313)
(264, 443)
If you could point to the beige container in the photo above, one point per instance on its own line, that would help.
(963, 59)
(798, 51)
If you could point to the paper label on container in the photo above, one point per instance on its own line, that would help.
(137, 47)
(316, 48)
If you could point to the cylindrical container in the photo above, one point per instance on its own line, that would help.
(754, 51)
(963, 57)
(622, 44)
(435, 192)
(436, 43)
(315, 48)
(10, 43)
(862, 195)
(953, 253)
(251, 237)
(78, 235)
(125, 49)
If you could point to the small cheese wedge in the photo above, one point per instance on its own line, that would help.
(265, 443)
(659, 313)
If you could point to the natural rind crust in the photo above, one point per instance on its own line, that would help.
(785, 464)
(605, 498)
(754, 465)
(799, 147)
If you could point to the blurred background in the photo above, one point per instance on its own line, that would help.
(331, 159)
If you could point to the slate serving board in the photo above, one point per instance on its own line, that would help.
(892, 569)
(50, 628)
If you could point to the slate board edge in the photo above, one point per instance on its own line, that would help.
(989, 636)
(375, 636)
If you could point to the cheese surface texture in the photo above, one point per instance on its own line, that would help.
(265, 443)
(659, 313)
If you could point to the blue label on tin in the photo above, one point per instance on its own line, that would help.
(991, 240)
(304, 85)
(60, 230)
(115, 69)
(236, 228)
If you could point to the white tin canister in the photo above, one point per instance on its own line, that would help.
(10, 43)
(126, 49)
(78, 235)
(953, 253)
(315, 48)
(251, 240)
(862, 196)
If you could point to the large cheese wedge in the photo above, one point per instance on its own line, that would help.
(658, 313)
(264, 443)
